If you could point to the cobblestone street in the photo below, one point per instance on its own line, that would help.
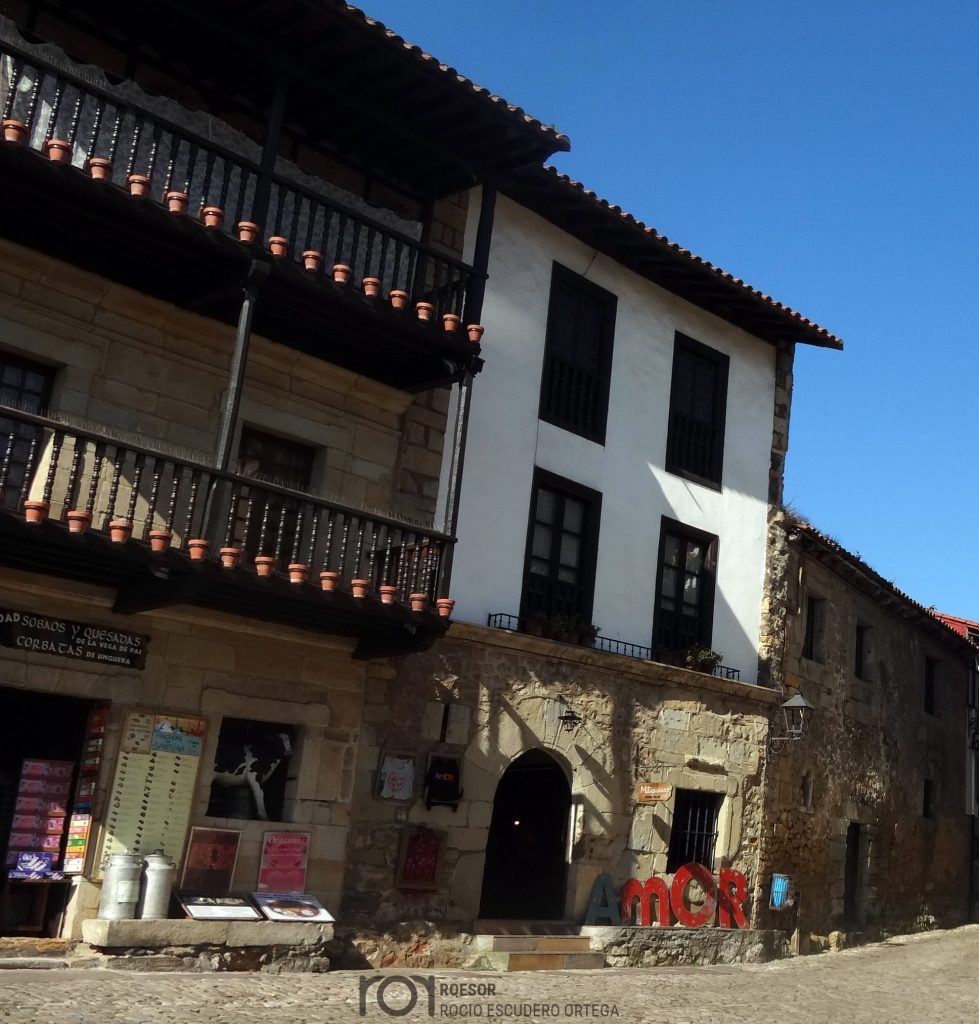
(921, 978)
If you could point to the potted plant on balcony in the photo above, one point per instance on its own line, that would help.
(176, 201)
(399, 299)
(247, 231)
(328, 580)
(312, 259)
(230, 556)
(702, 659)
(264, 564)
(79, 520)
(160, 541)
(298, 572)
(14, 131)
(341, 273)
(198, 548)
(424, 310)
(36, 511)
(278, 246)
(445, 606)
(120, 530)
(475, 332)
(371, 286)
(388, 593)
(139, 185)
(213, 217)
(58, 151)
(99, 168)
(451, 322)
(358, 587)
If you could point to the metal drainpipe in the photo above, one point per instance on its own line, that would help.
(471, 314)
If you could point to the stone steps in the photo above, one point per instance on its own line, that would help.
(32, 963)
(529, 952)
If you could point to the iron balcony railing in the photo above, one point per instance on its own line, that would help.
(50, 471)
(519, 624)
(59, 111)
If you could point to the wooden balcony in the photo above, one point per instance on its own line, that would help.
(164, 531)
(102, 183)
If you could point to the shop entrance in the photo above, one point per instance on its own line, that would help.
(526, 867)
(851, 875)
(36, 801)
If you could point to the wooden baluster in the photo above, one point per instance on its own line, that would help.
(297, 535)
(7, 455)
(372, 553)
(369, 254)
(206, 183)
(313, 531)
(343, 545)
(174, 494)
(114, 139)
(413, 570)
(75, 116)
(328, 547)
(279, 208)
(402, 574)
(396, 281)
(248, 517)
(382, 262)
(171, 163)
(114, 487)
(386, 571)
(154, 152)
(8, 102)
(341, 232)
(56, 444)
(229, 530)
(280, 532)
(134, 488)
(59, 92)
(264, 527)
(93, 136)
(98, 458)
(25, 485)
(76, 457)
(310, 222)
(151, 503)
(192, 155)
(195, 483)
(360, 549)
(134, 146)
(34, 96)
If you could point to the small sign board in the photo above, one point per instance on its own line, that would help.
(653, 792)
(290, 906)
(206, 906)
(283, 867)
(28, 631)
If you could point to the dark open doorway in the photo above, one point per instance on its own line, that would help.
(526, 869)
(851, 875)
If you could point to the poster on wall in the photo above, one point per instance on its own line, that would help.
(153, 786)
(211, 857)
(420, 858)
(284, 858)
(396, 776)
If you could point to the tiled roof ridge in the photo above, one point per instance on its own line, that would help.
(651, 232)
(560, 140)
(858, 563)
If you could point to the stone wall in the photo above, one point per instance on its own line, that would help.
(504, 694)
(869, 751)
(144, 371)
(213, 665)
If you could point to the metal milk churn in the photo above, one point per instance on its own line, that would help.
(157, 883)
(120, 887)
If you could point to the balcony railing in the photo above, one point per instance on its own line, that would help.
(518, 624)
(131, 494)
(56, 110)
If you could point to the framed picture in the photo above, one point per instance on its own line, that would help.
(395, 777)
(420, 858)
(205, 906)
(284, 856)
(290, 906)
(209, 866)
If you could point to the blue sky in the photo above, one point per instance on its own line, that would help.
(828, 154)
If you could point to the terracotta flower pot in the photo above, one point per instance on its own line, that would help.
(264, 564)
(36, 511)
(78, 520)
(389, 593)
(399, 299)
(371, 286)
(247, 231)
(14, 130)
(328, 580)
(297, 572)
(58, 150)
(279, 246)
(341, 273)
(160, 541)
(475, 332)
(312, 259)
(445, 606)
(424, 310)
(139, 185)
(418, 602)
(176, 202)
(99, 168)
(451, 322)
(213, 217)
(120, 530)
(358, 588)
(198, 548)
(230, 557)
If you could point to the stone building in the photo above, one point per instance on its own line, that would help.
(626, 442)
(232, 304)
(872, 814)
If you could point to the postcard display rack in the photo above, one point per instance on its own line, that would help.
(153, 788)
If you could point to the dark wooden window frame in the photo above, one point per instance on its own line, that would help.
(589, 559)
(10, 498)
(712, 544)
(812, 644)
(693, 834)
(561, 276)
(719, 404)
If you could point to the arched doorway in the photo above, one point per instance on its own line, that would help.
(526, 870)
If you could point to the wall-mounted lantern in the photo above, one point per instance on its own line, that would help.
(570, 720)
(797, 714)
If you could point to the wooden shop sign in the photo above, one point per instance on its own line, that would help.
(27, 631)
(653, 792)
